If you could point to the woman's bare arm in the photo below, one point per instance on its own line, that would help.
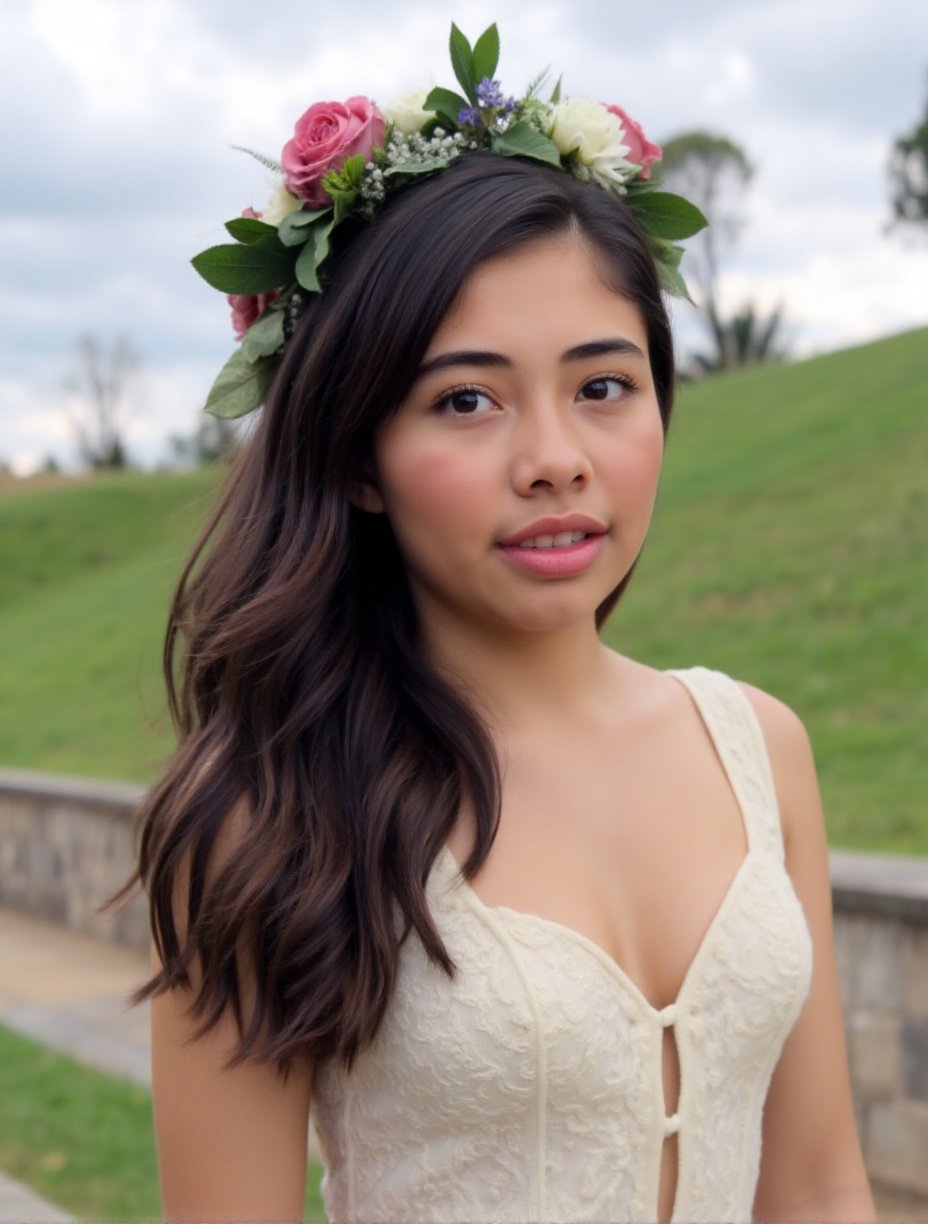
(231, 1144)
(811, 1163)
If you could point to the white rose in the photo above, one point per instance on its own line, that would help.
(585, 125)
(406, 112)
(280, 205)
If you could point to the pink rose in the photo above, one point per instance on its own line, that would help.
(246, 309)
(641, 151)
(324, 138)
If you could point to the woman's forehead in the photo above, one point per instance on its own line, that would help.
(553, 289)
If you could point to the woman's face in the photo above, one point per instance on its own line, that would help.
(533, 416)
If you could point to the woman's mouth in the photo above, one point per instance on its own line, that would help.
(554, 541)
(558, 556)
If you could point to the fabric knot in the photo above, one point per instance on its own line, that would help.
(671, 1125)
(668, 1015)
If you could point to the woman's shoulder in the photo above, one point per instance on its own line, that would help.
(788, 750)
(784, 735)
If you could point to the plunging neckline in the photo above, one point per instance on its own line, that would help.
(563, 931)
(609, 963)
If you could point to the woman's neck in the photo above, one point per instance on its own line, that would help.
(517, 679)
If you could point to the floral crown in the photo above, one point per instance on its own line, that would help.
(345, 158)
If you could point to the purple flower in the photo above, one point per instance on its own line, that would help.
(490, 97)
(489, 93)
(468, 114)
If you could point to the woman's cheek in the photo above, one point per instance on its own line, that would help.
(428, 489)
(638, 466)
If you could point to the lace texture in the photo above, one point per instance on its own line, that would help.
(529, 1087)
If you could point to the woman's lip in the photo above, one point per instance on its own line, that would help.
(562, 562)
(556, 525)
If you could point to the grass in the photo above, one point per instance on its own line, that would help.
(789, 548)
(86, 572)
(82, 1139)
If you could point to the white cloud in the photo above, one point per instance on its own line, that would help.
(116, 118)
(833, 301)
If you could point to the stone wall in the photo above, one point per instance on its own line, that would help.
(66, 844)
(881, 948)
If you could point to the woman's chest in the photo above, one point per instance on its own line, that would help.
(632, 854)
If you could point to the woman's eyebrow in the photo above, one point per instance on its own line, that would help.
(597, 348)
(471, 357)
(482, 357)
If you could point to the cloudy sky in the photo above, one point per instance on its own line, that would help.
(117, 118)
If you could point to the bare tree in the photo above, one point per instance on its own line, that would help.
(102, 390)
(215, 440)
(713, 172)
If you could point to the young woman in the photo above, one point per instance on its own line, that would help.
(538, 932)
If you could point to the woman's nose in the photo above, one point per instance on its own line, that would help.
(548, 454)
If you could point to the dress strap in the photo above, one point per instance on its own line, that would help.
(736, 732)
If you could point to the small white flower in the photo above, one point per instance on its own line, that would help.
(406, 111)
(280, 205)
(585, 125)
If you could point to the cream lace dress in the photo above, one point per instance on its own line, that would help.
(529, 1086)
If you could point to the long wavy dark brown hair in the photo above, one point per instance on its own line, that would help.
(295, 680)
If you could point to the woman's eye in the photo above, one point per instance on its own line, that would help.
(464, 401)
(606, 388)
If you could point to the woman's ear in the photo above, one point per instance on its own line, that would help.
(364, 491)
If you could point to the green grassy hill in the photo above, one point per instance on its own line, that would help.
(789, 549)
(86, 573)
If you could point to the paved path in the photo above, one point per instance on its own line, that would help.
(69, 991)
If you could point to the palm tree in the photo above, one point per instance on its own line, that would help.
(747, 338)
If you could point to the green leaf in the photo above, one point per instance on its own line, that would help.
(256, 268)
(343, 201)
(249, 229)
(535, 85)
(447, 103)
(347, 176)
(240, 387)
(521, 139)
(312, 256)
(306, 274)
(486, 54)
(295, 228)
(265, 336)
(665, 252)
(673, 283)
(462, 61)
(321, 232)
(425, 167)
(666, 215)
(269, 162)
(556, 91)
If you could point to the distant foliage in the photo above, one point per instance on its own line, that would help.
(746, 338)
(713, 172)
(908, 173)
(214, 440)
(101, 392)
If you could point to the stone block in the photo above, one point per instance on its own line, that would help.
(896, 1143)
(914, 958)
(844, 959)
(914, 1043)
(878, 964)
(874, 1053)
